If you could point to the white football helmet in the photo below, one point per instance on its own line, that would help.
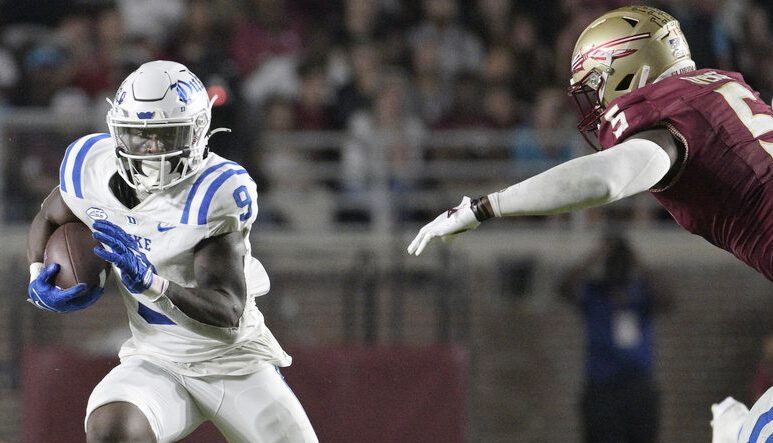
(159, 120)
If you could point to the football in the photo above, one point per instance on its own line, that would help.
(71, 246)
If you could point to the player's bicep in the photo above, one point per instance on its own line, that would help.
(55, 210)
(219, 264)
(53, 213)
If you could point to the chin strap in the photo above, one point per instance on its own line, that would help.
(213, 132)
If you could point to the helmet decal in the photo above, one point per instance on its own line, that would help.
(602, 52)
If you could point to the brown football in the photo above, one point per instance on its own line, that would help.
(71, 245)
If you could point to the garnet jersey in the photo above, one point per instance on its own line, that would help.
(168, 224)
(723, 190)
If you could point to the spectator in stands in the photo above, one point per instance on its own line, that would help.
(499, 106)
(313, 103)
(461, 49)
(9, 76)
(433, 94)
(298, 200)
(466, 109)
(150, 19)
(547, 136)
(499, 65)
(618, 303)
(266, 30)
(201, 42)
(494, 18)
(96, 55)
(360, 21)
(384, 147)
(48, 71)
(265, 46)
(359, 90)
(533, 59)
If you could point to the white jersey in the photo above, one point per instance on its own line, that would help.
(220, 198)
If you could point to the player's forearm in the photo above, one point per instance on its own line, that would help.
(211, 307)
(629, 168)
(203, 311)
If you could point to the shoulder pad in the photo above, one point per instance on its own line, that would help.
(223, 196)
(78, 155)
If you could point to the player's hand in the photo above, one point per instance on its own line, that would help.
(42, 293)
(136, 270)
(454, 221)
(727, 419)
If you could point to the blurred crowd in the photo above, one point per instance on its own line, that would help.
(367, 67)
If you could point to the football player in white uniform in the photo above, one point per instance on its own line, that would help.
(174, 220)
(733, 422)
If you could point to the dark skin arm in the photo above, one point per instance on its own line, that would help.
(53, 213)
(221, 294)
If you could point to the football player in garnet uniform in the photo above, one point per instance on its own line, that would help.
(700, 140)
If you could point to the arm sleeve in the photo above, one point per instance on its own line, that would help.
(631, 167)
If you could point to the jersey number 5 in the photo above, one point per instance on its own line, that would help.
(243, 200)
(758, 124)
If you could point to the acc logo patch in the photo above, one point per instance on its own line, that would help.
(96, 213)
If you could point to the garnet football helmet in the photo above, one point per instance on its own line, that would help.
(619, 52)
(159, 120)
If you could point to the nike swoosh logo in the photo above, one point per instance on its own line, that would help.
(163, 228)
(451, 212)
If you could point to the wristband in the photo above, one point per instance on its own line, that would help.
(36, 269)
(158, 287)
(481, 208)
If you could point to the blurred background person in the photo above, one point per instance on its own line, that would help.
(618, 303)
(763, 375)
(384, 147)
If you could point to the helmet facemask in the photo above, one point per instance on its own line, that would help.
(154, 157)
(587, 94)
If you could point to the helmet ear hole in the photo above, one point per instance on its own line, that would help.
(625, 83)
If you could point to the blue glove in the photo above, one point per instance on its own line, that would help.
(136, 270)
(43, 294)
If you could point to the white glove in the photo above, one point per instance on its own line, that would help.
(728, 417)
(454, 221)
